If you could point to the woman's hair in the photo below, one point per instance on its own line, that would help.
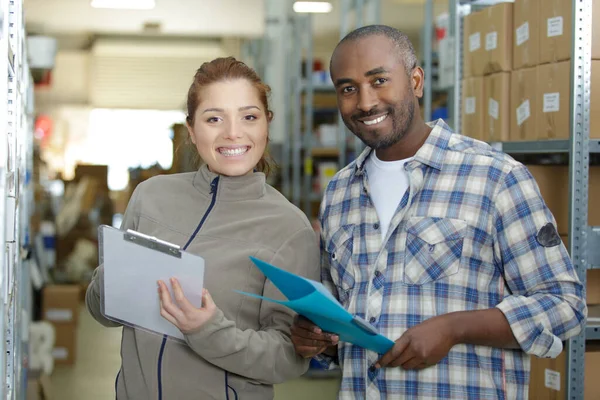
(225, 69)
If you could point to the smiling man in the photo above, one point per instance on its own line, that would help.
(442, 243)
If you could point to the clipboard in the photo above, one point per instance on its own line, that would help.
(133, 263)
(312, 300)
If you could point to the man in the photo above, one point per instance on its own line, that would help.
(440, 242)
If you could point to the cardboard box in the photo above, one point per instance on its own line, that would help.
(555, 30)
(523, 105)
(595, 96)
(496, 89)
(473, 50)
(60, 304)
(553, 181)
(488, 38)
(553, 93)
(473, 108)
(547, 379)
(526, 34)
(65, 346)
(548, 375)
(591, 389)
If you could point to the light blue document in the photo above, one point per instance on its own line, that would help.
(313, 301)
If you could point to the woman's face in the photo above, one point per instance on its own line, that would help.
(230, 127)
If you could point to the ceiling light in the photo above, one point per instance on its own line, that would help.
(124, 4)
(312, 6)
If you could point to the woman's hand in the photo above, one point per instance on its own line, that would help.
(183, 314)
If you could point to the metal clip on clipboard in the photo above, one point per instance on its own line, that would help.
(152, 243)
(132, 264)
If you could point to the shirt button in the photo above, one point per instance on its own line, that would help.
(377, 274)
(372, 320)
(372, 368)
(365, 190)
(376, 226)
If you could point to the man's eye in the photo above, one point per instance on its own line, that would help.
(380, 81)
(348, 89)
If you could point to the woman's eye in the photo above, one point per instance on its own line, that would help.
(250, 117)
(213, 119)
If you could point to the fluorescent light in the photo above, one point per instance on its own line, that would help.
(124, 4)
(312, 7)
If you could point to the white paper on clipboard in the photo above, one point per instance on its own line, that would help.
(133, 264)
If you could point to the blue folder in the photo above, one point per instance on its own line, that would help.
(313, 301)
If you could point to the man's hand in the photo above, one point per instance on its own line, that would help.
(422, 345)
(309, 340)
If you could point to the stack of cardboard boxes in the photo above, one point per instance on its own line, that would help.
(516, 68)
(516, 87)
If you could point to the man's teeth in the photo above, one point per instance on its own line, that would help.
(375, 121)
(233, 152)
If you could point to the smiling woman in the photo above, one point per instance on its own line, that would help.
(224, 212)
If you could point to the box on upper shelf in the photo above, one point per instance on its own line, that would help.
(556, 30)
(526, 34)
(487, 42)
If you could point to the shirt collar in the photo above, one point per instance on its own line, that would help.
(247, 187)
(432, 153)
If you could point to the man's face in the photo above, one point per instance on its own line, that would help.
(375, 95)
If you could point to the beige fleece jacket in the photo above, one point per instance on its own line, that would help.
(246, 347)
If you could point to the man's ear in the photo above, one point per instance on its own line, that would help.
(190, 132)
(417, 81)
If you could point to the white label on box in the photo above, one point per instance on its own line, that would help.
(552, 380)
(59, 314)
(555, 26)
(475, 42)
(60, 353)
(523, 112)
(491, 41)
(551, 102)
(470, 105)
(522, 34)
(493, 108)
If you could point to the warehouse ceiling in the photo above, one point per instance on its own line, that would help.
(73, 19)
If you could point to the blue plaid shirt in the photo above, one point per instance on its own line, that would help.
(464, 237)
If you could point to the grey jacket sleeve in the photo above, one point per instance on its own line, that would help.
(92, 296)
(267, 355)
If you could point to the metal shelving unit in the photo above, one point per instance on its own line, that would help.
(16, 135)
(353, 14)
(584, 240)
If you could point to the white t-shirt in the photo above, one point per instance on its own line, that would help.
(388, 181)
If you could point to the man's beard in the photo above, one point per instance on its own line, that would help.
(401, 118)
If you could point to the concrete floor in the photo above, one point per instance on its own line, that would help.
(98, 359)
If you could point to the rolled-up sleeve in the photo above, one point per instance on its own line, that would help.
(545, 303)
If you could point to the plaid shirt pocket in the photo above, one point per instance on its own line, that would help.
(433, 249)
(341, 259)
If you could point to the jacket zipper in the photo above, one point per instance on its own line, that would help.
(213, 190)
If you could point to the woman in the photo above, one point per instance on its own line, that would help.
(237, 347)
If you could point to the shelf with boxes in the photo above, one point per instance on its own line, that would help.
(525, 82)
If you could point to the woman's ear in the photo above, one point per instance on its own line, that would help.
(270, 115)
(190, 132)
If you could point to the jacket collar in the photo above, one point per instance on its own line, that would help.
(229, 188)
(432, 153)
